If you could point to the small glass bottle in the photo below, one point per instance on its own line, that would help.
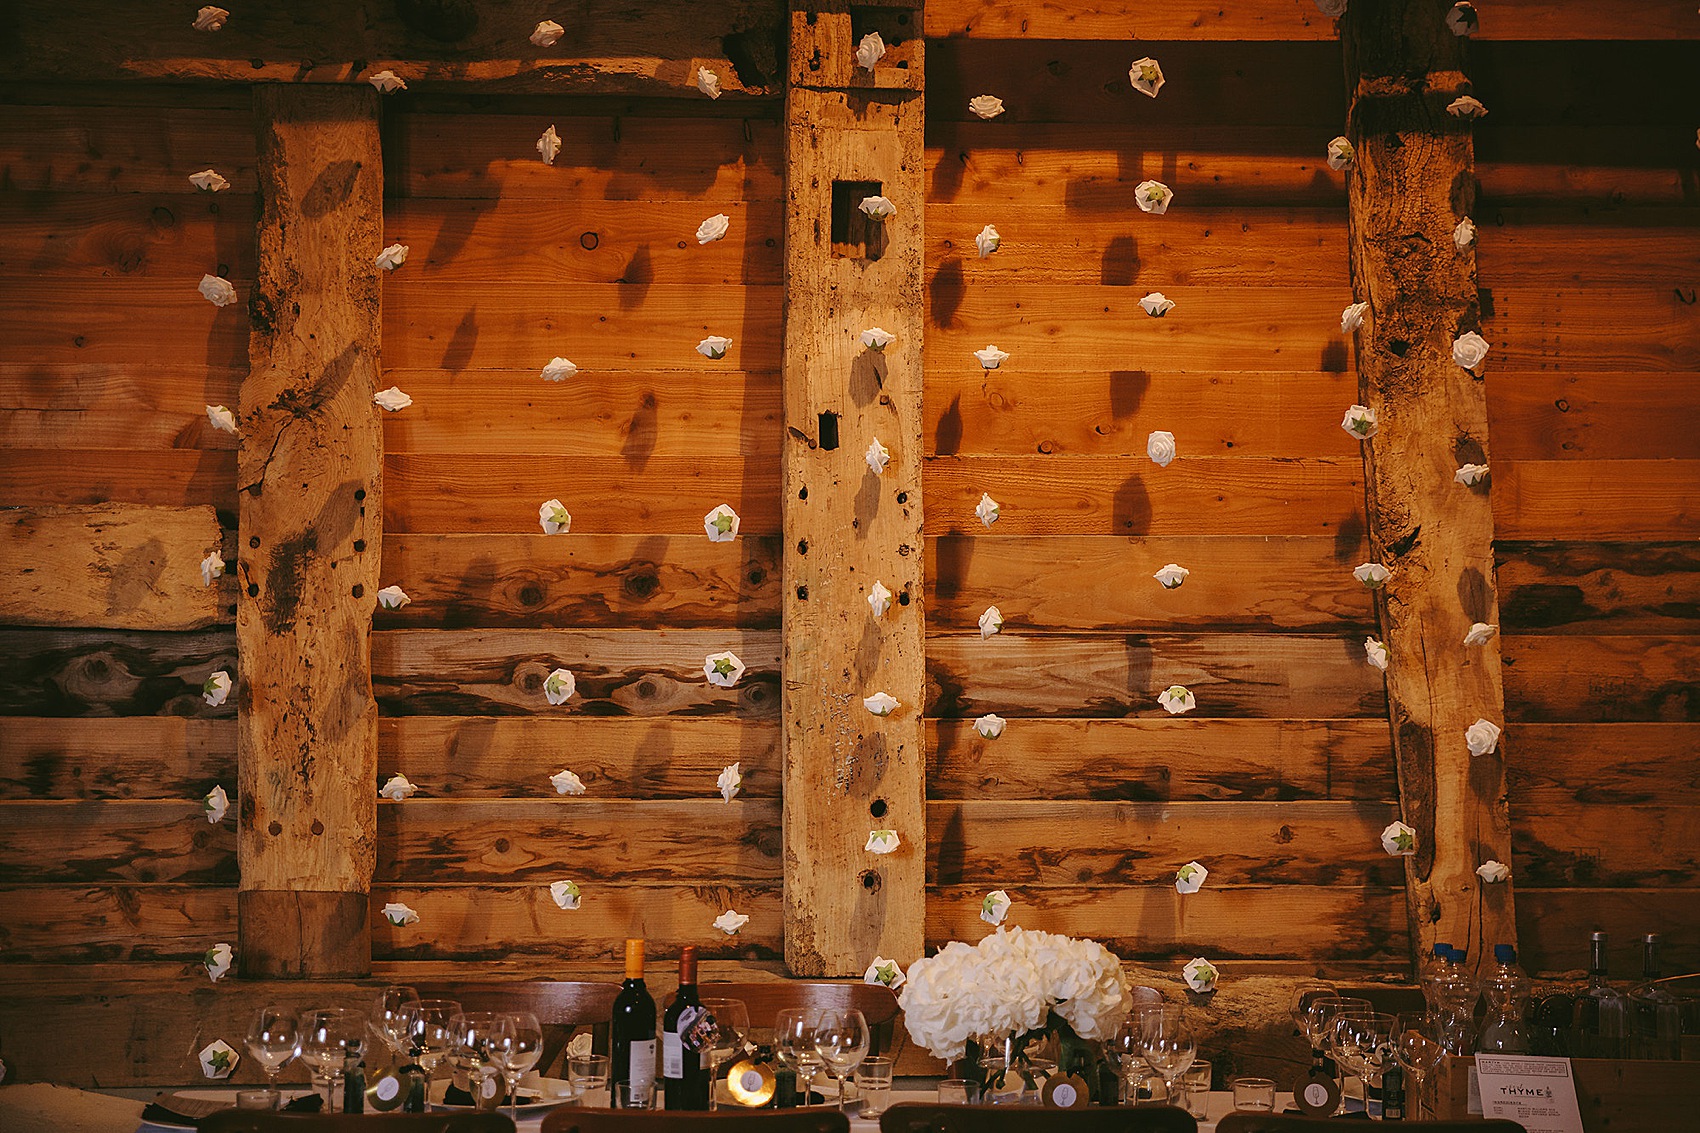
(1655, 1013)
(1600, 1026)
(354, 1084)
(1393, 1092)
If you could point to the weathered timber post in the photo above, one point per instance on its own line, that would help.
(1410, 186)
(852, 134)
(310, 478)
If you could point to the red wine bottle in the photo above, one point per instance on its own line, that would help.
(631, 1070)
(683, 1075)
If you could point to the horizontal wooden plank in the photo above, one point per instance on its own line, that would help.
(1601, 679)
(701, 841)
(1553, 926)
(1286, 676)
(130, 405)
(1534, 329)
(1153, 760)
(158, 757)
(1594, 416)
(1524, 78)
(620, 415)
(600, 326)
(577, 580)
(77, 672)
(479, 757)
(1585, 247)
(1104, 583)
(38, 477)
(1052, 844)
(165, 236)
(1093, 495)
(619, 672)
(1596, 499)
(1597, 587)
(87, 842)
(64, 923)
(135, 147)
(441, 493)
(1594, 845)
(1561, 766)
(114, 321)
(584, 241)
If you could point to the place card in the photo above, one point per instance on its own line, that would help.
(1537, 1093)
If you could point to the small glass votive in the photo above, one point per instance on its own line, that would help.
(256, 1099)
(873, 1082)
(588, 1072)
(1254, 1095)
(1194, 1087)
(632, 1095)
(959, 1091)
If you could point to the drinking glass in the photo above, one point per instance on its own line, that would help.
(841, 1040)
(389, 1016)
(515, 1045)
(794, 1045)
(1419, 1046)
(1318, 1023)
(587, 1072)
(1365, 1043)
(428, 1034)
(1167, 1044)
(1195, 1088)
(328, 1036)
(958, 1091)
(1254, 1095)
(469, 1048)
(873, 1081)
(1302, 999)
(731, 1024)
(1124, 1050)
(272, 1039)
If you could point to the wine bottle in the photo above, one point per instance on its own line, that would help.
(631, 1070)
(1393, 1093)
(1601, 1021)
(684, 1077)
(1655, 1013)
(354, 1085)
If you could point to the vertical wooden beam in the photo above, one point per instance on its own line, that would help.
(1410, 186)
(310, 470)
(848, 772)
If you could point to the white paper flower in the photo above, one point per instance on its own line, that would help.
(882, 841)
(1463, 20)
(730, 922)
(559, 686)
(880, 703)
(714, 347)
(879, 599)
(713, 228)
(990, 726)
(986, 106)
(884, 972)
(1353, 317)
(393, 598)
(1470, 475)
(212, 567)
(1492, 871)
(1157, 304)
(567, 783)
(1340, 154)
(392, 257)
(1200, 975)
(1467, 108)
(553, 517)
(218, 1059)
(392, 399)
(217, 961)
(1333, 9)
(721, 524)
(988, 509)
(1480, 633)
(397, 787)
(1160, 447)
(547, 33)
(209, 180)
(559, 370)
(870, 51)
(1399, 839)
(991, 622)
(387, 82)
(877, 338)
(1152, 196)
(549, 146)
(217, 804)
(1177, 699)
(1360, 422)
(222, 418)
(991, 357)
(566, 894)
(1190, 878)
(1171, 576)
(399, 914)
(216, 688)
(708, 82)
(723, 670)
(1482, 736)
(1468, 350)
(731, 780)
(217, 290)
(210, 19)
(877, 208)
(1376, 653)
(878, 456)
(1146, 76)
(1372, 575)
(987, 241)
(995, 907)
(1465, 234)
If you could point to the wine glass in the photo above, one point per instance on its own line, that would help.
(272, 1039)
(1303, 996)
(428, 1034)
(1125, 1052)
(328, 1036)
(1419, 1044)
(841, 1040)
(1371, 1037)
(515, 1045)
(794, 1045)
(731, 1023)
(469, 1041)
(389, 1016)
(1167, 1044)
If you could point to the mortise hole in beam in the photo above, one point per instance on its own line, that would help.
(853, 234)
(829, 431)
(870, 881)
(877, 808)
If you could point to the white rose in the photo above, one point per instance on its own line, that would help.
(990, 726)
(1492, 871)
(721, 524)
(1146, 75)
(1360, 421)
(399, 914)
(216, 804)
(713, 228)
(387, 82)
(393, 598)
(995, 907)
(216, 688)
(1152, 196)
(723, 670)
(566, 894)
(730, 922)
(987, 241)
(559, 686)
(1190, 878)
(217, 961)
(217, 290)
(991, 622)
(882, 841)
(222, 418)
(714, 347)
(877, 456)
(1353, 317)
(1469, 350)
(1467, 108)
(559, 370)
(218, 1058)
(1200, 974)
(1172, 576)
(547, 33)
(549, 146)
(986, 106)
(731, 780)
(1340, 154)
(209, 180)
(880, 704)
(708, 82)
(879, 599)
(392, 257)
(212, 567)
(1465, 234)
(1399, 839)
(567, 783)
(397, 787)
(988, 509)
(1157, 304)
(1483, 737)
(1160, 447)
(884, 972)
(554, 517)
(1470, 475)
(877, 338)
(392, 399)
(870, 51)
(877, 208)
(1376, 652)
(1372, 575)
(210, 19)
(1480, 633)
(1177, 699)
(991, 357)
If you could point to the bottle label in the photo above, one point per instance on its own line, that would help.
(487, 1087)
(672, 1055)
(388, 1089)
(696, 1027)
(1316, 1094)
(643, 1064)
(752, 1081)
(1064, 1095)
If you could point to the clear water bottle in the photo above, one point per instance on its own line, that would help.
(1507, 990)
(1455, 993)
(1433, 967)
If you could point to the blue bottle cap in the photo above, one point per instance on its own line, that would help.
(1442, 949)
(1505, 953)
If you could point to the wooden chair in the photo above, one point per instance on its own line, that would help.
(263, 1121)
(930, 1117)
(1292, 1123)
(767, 999)
(811, 1120)
(562, 1006)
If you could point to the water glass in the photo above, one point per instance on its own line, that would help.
(1194, 1088)
(516, 1043)
(256, 1099)
(873, 1081)
(731, 1023)
(389, 1016)
(471, 1032)
(1167, 1044)
(328, 1036)
(959, 1091)
(588, 1072)
(794, 1045)
(272, 1038)
(428, 1033)
(841, 1040)
(1254, 1095)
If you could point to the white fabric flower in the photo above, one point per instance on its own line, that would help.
(549, 146)
(884, 972)
(210, 19)
(714, 347)
(566, 894)
(990, 726)
(1146, 76)
(559, 370)
(879, 599)
(1372, 575)
(1376, 653)
(882, 841)
(216, 688)
(878, 456)
(1463, 20)
(880, 703)
(730, 922)
(212, 567)
(987, 241)
(1360, 422)
(991, 357)
(399, 914)
(392, 257)
(988, 509)
(217, 961)
(713, 228)
(1340, 154)
(1200, 975)
(1482, 736)
(731, 780)
(1333, 9)
(991, 622)
(1176, 699)
(581, 1045)
(392, 399)
(559, 686)
(877, 208)
(1467, 108)
(393, 598)
(1152, 196)
(397, 787)
(708, 82)
(1493, 871)
(387, 82)
(870, 51)
(222, 418)
(209, 180)
(995, 907)
(218, 1058)
(567, 783)
(554, 518)
(547, 33)
(1160, 447)
(1171, 576)
(987, 106)
(721, 524)
(1465, 234)
(877, 338)
(1353, 317)
(1157, 304)
(1480, 633)
(1468, 350)
(217, 804)
(723, 670)
(217, 290)
(1190, 878)
(1470, 475)
(1399, 839)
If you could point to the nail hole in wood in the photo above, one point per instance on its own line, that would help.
(877, 808)
(870, 881)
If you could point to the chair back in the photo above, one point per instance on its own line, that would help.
(1283, 1123)
(264, 1121)
(767, 999)
(811, 1120)
(562, 1006)
(930, 1117)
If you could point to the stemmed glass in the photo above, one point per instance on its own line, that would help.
(841, 1040)
(328, 1036)
(731, 1024)
(1303, 997)
(1319, 1016)
(1362, 1042)
(515, 1045)
(428, 1034)
(1125, 1051)
(794, 1045)
(1419, 1044)
(389, 1016)
(272, 1039)
(1167, 1044)
(469, 1041)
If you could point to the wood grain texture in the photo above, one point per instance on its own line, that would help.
(1599, 587)
(116, 566)
(122, 321)
(1586, 247)
(162, 757)
(1555, 924)
(133, 405)
(1592, 846)
(165, 236)
(1596, 499)
(51, 672)
(140, 145)
(1560, 767)
(63, 923)
(133, 842)
(37, 477)
(1531, 328)
(1602, 416)
(1599, 679)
